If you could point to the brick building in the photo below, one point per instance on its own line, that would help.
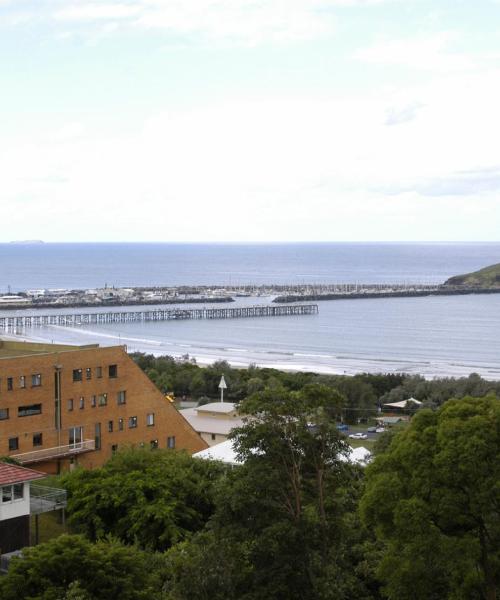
(65, 405)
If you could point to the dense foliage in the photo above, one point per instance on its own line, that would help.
(71, 567)
(284, 524)
(152, 498)
(364, 393)
(433, 498)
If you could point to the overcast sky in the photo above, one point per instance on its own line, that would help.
(250, 120)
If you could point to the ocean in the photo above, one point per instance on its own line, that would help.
(432, 336)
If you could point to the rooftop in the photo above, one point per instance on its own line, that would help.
(12, 349)
(207, 424)
(13, 474)
(218, 407)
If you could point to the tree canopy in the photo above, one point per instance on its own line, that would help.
(71, 567)
(433, 499)
(154, 498)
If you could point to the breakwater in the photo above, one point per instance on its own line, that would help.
(396, 293)
(169, 314)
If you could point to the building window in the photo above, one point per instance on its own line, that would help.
(98, 372)
(75, 436)
(18, 491)
(102, 399)
(11, 493)
(150, 419)
(121, 397)
(36, 380)
(13, 443)
(4, 414)
(81, 402)
(154, 444)
(37, 439)
(6, 493)
(77, 374)
(132, 422)
(114, 448)
(28, 411)
(70, 404)
(171, 442)
(110, 426)
(120, 424)
(10, 384)
(97, 436)
(22, 381)
(113, 371)
(88, 373)
(93, 401)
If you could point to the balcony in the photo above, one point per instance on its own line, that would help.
(46, 499)
(52, 453)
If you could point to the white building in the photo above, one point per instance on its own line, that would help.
(213, 421)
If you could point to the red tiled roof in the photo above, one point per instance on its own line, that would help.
(14, 474)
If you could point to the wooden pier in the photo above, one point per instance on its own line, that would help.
(167, 314)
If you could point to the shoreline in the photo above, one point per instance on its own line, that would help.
(282, 361)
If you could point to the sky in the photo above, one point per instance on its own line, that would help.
(250, 120)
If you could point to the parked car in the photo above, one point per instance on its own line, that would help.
(342, 427)
(372, 429)
(380, 430)
(358, 436)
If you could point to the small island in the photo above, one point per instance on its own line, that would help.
(489, 277)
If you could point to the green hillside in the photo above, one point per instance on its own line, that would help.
(487, 277)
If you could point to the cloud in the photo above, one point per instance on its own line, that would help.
(96, 12)
(404, 114)
(244, 22)
(425, 53)
(461, 183)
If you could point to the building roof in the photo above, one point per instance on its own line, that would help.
(218, 407)
(14, 474)
(225, 453)
(207, 424)
(403, 403)
(14, 349)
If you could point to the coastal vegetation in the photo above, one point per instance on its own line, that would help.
(489, 277)
(363, 394)
(294, 521)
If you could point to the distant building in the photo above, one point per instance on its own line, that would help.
(213, 421)
(410, 404)
(67, 405)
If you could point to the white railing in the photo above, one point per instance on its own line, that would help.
(56, 452)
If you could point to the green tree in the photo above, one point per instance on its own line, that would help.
(433, 499)
(154, 498)
(70, 566)
(283, 520)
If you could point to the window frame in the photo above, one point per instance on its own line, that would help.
(26, 410)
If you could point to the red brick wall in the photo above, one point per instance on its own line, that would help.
(142, 398)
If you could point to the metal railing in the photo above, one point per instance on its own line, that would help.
(45, 499)
(56, 452)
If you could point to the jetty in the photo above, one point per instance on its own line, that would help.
(167, 314)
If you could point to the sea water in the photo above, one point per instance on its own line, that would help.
(434, 336)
